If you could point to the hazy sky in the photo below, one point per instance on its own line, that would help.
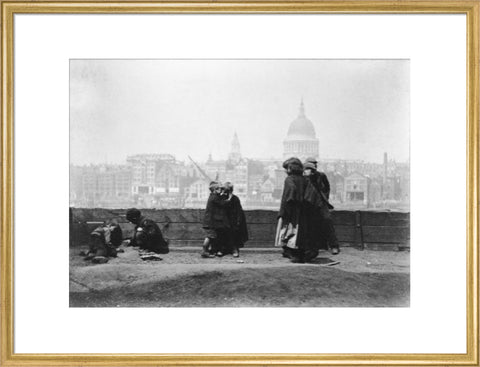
(360, 108)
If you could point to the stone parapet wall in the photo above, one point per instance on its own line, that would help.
(376, 230)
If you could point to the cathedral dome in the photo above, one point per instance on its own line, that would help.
(301, 128)
(301, 140)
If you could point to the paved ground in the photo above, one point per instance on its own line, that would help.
(257, 278)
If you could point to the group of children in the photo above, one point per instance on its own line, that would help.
(106, 239)
(224, 222)
(305, 225)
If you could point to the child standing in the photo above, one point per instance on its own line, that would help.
(210, 234)
(215, 221)
(238, 222)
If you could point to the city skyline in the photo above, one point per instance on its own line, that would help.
(156, 180)
(359, 108)
(187, 161)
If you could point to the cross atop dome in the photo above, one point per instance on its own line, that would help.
(302, 109)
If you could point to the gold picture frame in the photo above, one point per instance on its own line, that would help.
(470, 8)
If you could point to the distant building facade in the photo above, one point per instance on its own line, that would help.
(356, 188)
(196, 194)
(100, 185)
(234, 169)
(157, 180)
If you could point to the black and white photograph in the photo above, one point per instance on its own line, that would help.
(239, 183)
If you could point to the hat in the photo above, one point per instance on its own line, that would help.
(133, 214)
(292, 160)
(294, 166)
(309, 165)
(311, 160)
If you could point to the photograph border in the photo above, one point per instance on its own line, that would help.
(9, 8)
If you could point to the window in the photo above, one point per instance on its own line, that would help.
(355, 196)
(143, 189)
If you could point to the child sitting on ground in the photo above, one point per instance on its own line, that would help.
(104, 241)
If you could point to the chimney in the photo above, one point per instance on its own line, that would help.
(385, 167)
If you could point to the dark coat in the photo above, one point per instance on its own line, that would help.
(116, 236)
(317, 209)
(238, 222)
(320, 182)
(105, 240)
(216, 216)
(291, 206)
(148, 236)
